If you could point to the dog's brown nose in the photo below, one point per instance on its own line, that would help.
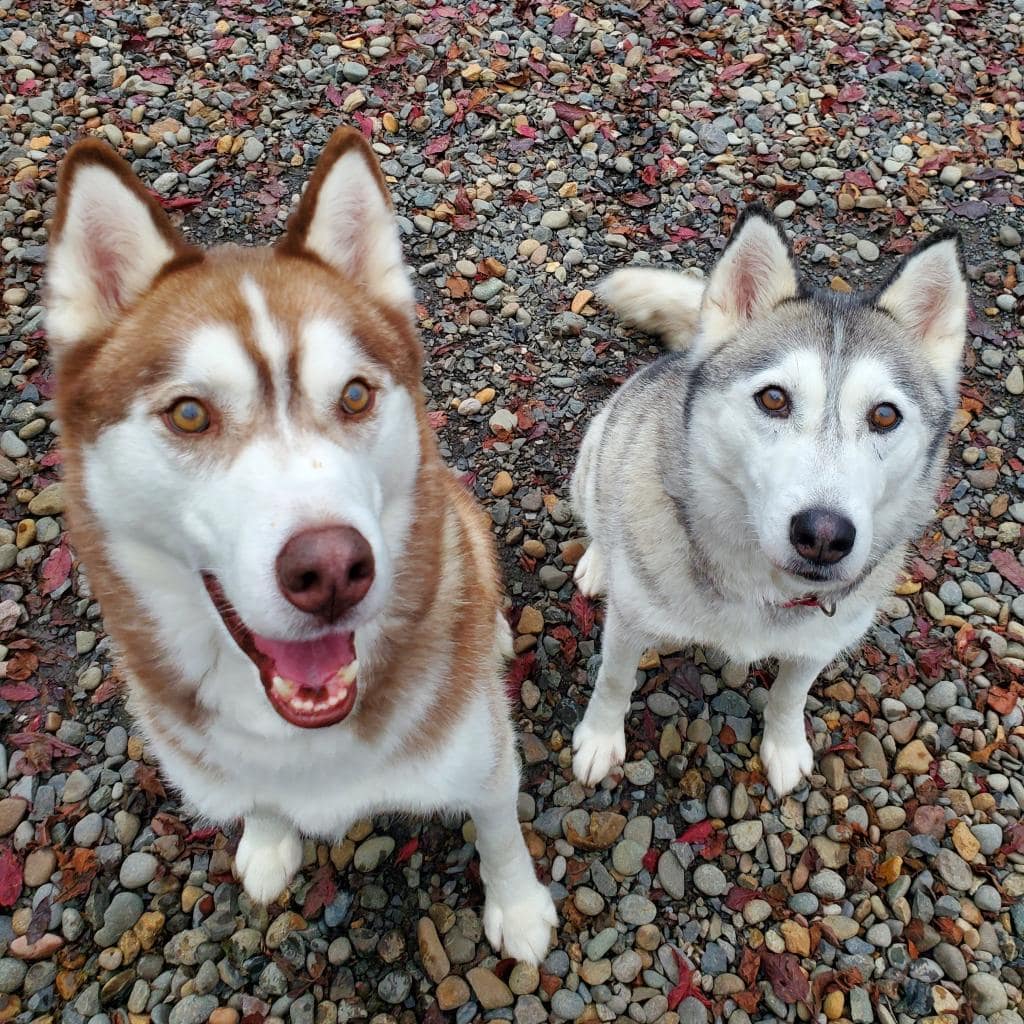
(325, 571)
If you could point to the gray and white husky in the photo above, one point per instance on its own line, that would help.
(755, 490)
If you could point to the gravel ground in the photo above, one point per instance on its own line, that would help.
(531, 149)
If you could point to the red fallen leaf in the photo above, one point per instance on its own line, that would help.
(1001, 701)
(30, 88)
(407, 850)
(788, 979)
(321, 892)
(438, 419)
(39, 921)
(437, 145)
(11, 877)
(201, 835)
(648, 729)
(179, 202)
(16, 694)
(149, 782)
(685, 987)
(333, 95)
(108, 689)
(683, 234)
(582, 610)
(52, 458)
(58, 748)
(518, 672)
(933, 659)
(733, 71)
(639, 200)
(22, 666)
(859, 177)
(714, 847)
(739, 897)
(1008, 566)
(77, 871)
(973, 209)
(164, 824)
(696, 835)
(56, 569)
(649, 175)
(650, 861)
(564, 25)
(750, 964)
(569, 112)
(365, 124)
(527, 131)
(1014, 839)
(564, 636)
(160, 75)
(851, 93)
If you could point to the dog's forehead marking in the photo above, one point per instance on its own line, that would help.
(216, 359)
(330, 356)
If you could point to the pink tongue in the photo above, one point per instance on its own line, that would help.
(311, 663)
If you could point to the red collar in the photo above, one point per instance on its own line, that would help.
(811, 602)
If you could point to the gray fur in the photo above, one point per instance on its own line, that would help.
(686, 487)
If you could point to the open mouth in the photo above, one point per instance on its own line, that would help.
(309, 683)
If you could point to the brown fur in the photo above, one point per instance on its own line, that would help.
(100, 378)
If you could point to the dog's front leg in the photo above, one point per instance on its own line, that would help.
(599, 742)
(785, 752)
(269, 853)
(518, 910)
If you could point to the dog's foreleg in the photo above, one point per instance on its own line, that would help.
(785, 752)
(518, 910)
(599, 742)
(269, 853)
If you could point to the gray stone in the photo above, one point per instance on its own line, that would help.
(137, 870)
(567, 1005)
(986, 993)
(710, 880)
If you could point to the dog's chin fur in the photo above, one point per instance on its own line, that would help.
(267, 341)
(687, 487)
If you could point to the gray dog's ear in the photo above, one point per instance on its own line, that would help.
(753, 275)
(928, 296)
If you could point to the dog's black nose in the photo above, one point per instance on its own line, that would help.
(325, 571)
(821, 536)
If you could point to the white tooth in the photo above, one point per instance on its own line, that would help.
(284, 687)
(348, 674)
(304, 705)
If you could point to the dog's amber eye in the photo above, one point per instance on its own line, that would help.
(357, 397)
(884, 417)
(774, 401)
(188, 416)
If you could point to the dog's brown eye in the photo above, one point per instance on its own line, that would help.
(357, 397)
(884, 417)
(188, 416)
(774, 401)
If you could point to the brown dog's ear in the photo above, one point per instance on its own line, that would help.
(345, 218)
(928, 296)
(108, 242)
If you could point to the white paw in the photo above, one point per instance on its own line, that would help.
(266, 867)
(589, 574)
(786, 762)
(596, 752)
(505, 648)
(521, 926)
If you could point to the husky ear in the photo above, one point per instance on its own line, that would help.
(109, 240)
(754, 273)
(346, 219)
(928, 295)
